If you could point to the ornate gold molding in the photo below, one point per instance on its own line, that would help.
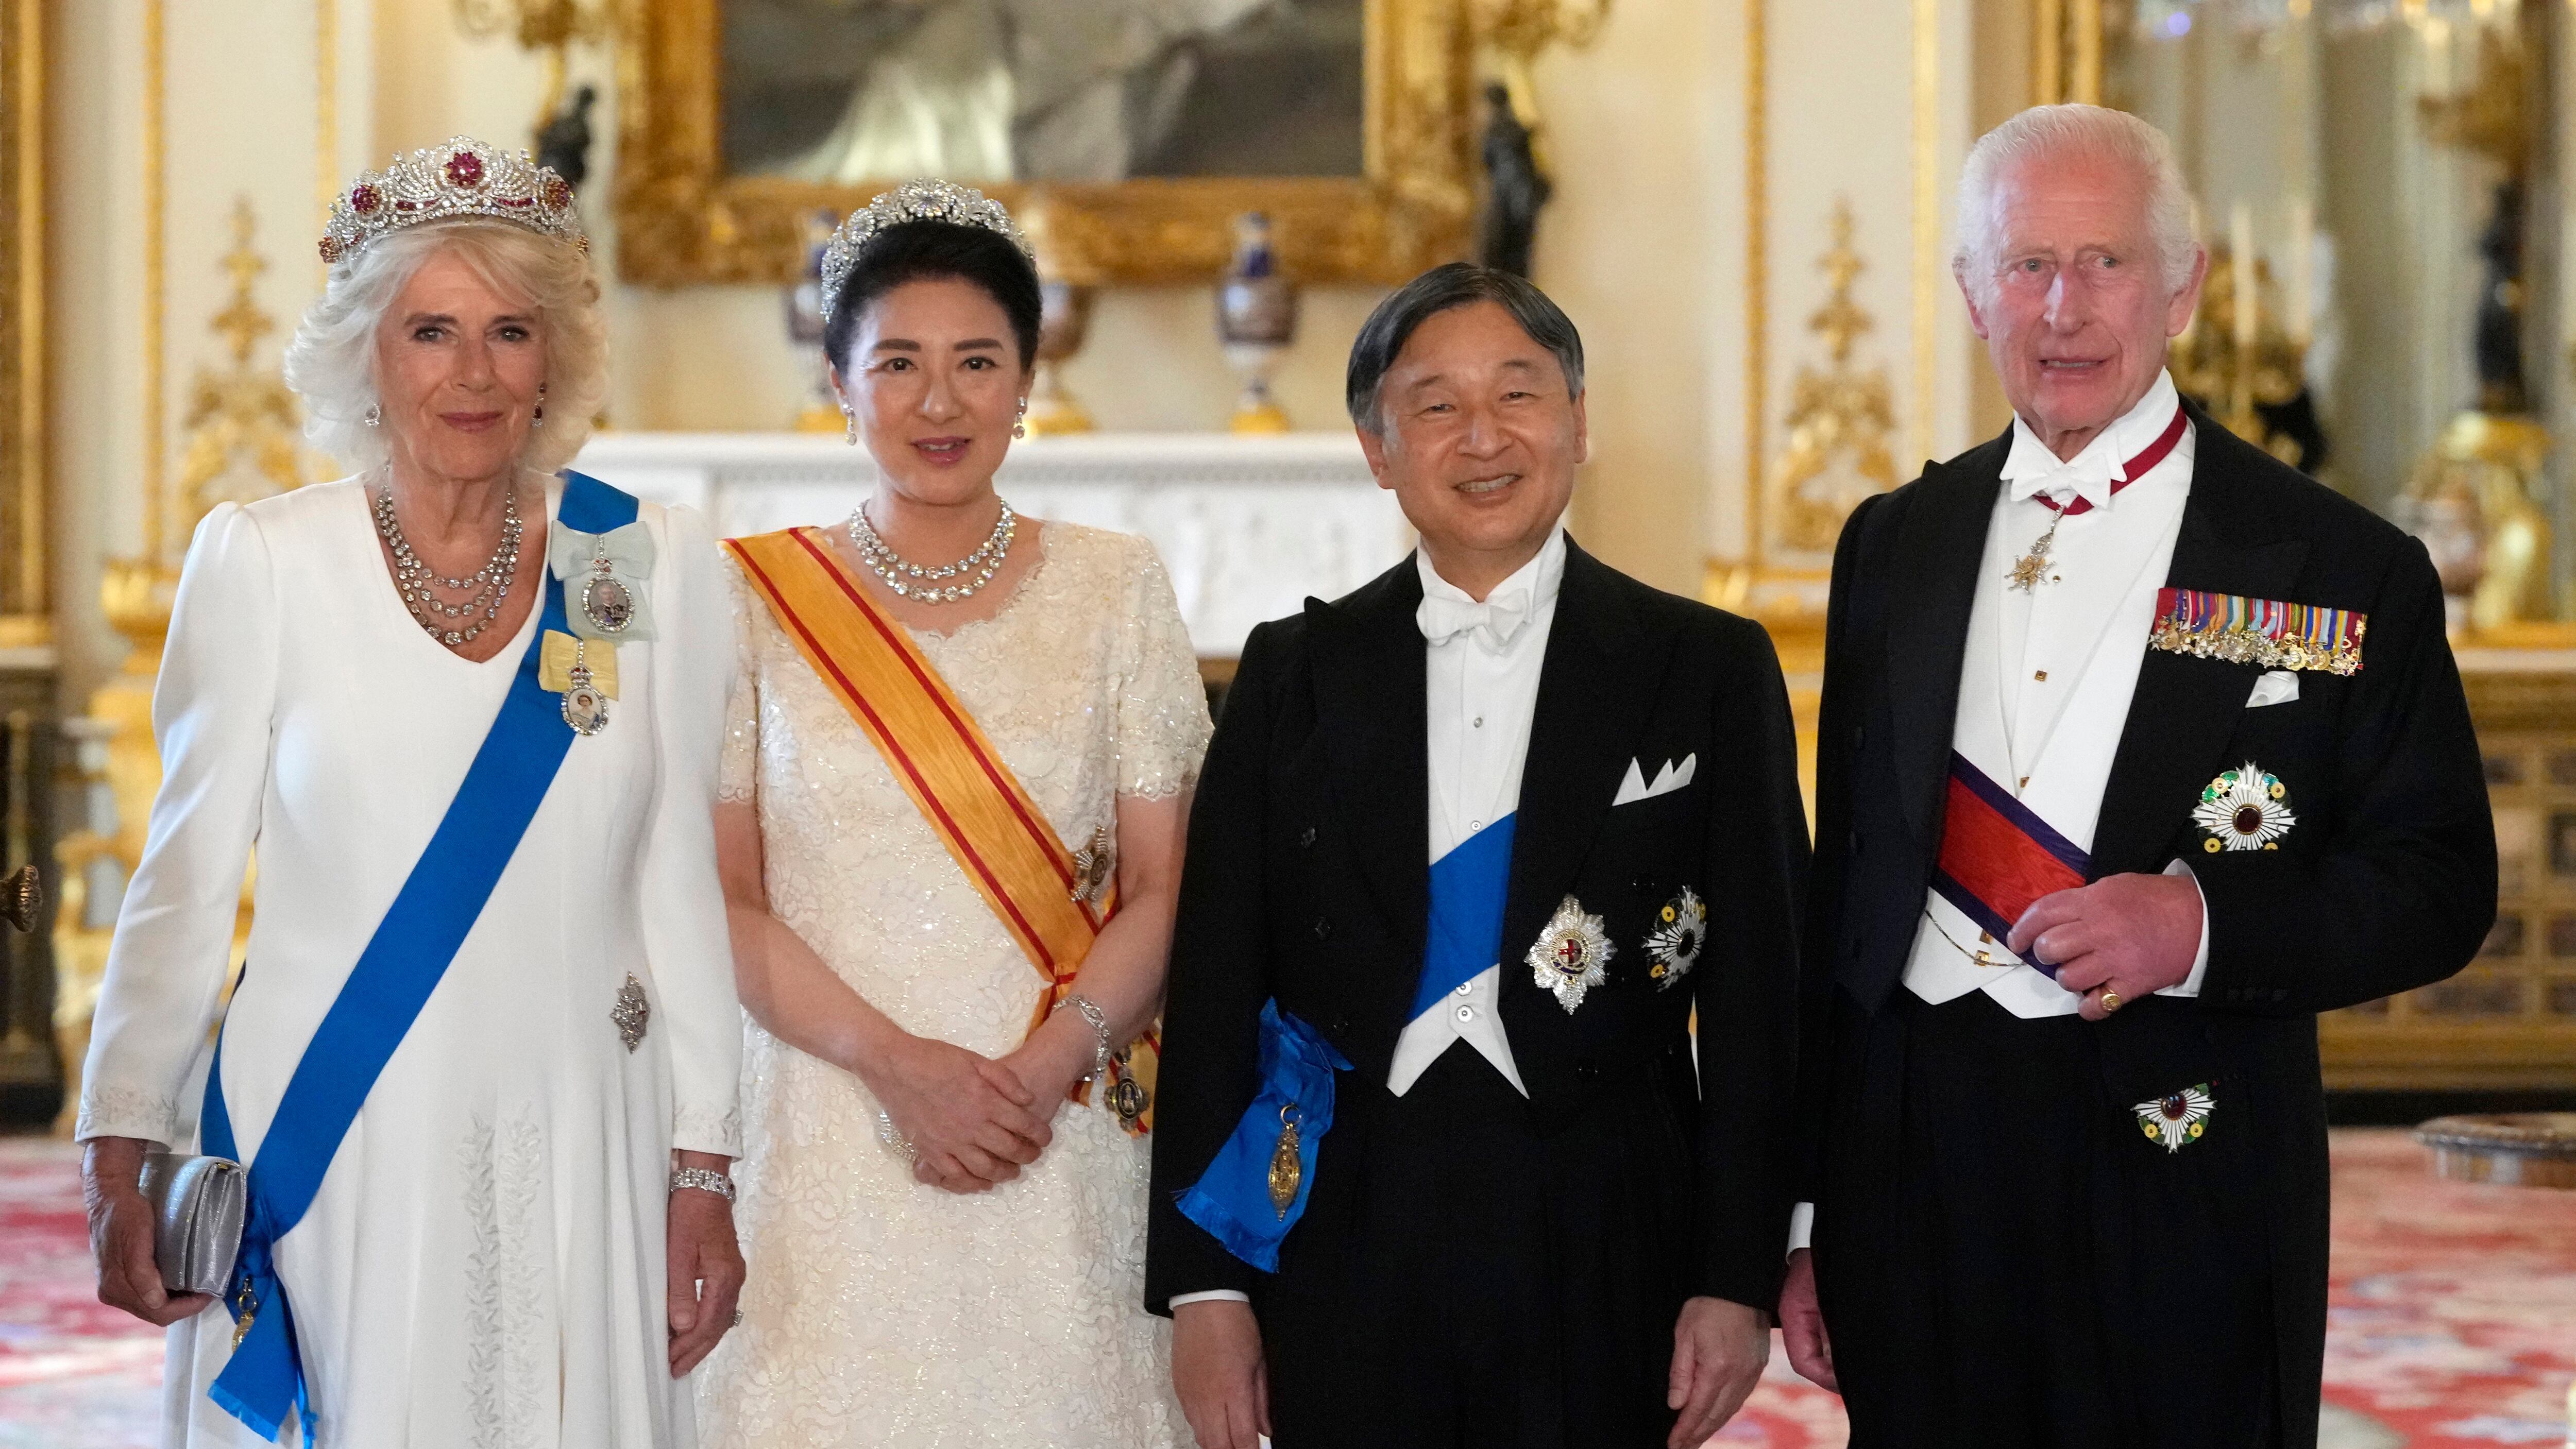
(25, 602)
(1840, 421)
(243, 422)
(1757, 268)
(681, 221)
(155, 281)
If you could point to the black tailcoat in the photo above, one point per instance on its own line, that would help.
(1462, 1247)
(2386, 882)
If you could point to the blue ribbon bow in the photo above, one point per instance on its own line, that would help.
(1232, 1198)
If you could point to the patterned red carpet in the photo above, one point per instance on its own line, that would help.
(2454, 1318)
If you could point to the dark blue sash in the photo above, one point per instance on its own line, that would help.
(401, 966)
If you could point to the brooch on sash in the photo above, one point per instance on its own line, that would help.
(2243, 809)
(2270, 632)
(1681, 929)
(603, 574)
(632, 1013)
(587, 684)
(1092, 866)
(2172, 1122)
(1572, 955)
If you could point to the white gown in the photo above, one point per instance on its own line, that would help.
(880, 1313)
(484, 1263)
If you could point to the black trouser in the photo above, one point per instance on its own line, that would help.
(1469, 1274)
(2006, 1260)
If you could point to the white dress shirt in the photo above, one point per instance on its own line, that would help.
(1480, 681)
(2047, 676)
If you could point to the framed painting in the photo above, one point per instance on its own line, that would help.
(1130, 133)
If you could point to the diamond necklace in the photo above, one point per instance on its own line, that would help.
(912, 581)
(490, 583)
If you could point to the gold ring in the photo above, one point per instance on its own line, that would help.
(2110, 1001)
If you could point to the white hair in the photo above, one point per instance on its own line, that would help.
(331, 362)
(2096, 132)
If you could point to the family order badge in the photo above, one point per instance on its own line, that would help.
(1681, 929)
(2171, 1122)
(2244, 809)
(587, 682)
(603, 576)
(1572, 955)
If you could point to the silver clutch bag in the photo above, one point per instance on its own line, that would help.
(198, 1206)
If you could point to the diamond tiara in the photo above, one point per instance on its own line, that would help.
(925, 200)
(462, 177)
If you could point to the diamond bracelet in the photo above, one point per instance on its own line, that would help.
(704, 1179)
(1099, 1023)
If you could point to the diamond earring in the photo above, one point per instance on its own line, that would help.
(539, 420)
(850, 424)
(375, 414)
(1020, 425)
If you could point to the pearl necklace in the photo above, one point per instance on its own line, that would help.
(906, 579)
(490, 583)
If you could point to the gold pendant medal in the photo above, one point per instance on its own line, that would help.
(2031, 569)
(1287, 1167)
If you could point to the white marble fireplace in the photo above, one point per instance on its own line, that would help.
(1248, 526)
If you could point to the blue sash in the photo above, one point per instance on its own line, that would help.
(401, 966)
(1232, 1198)
(1468, 888)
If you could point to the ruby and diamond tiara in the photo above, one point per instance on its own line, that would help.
(460, 178)
(924, 200)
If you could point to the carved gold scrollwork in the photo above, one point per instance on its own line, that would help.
(242, 420)
(1841, 418)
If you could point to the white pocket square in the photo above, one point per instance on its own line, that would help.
(2278, 686)
(1672, 777)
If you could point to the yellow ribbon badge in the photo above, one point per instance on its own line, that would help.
(554, 665)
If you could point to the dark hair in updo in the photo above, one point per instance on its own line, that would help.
(913, 251)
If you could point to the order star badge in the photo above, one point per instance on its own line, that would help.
(2244, 809)
(1572, 955)
(1681, 929)
(2175, 1121)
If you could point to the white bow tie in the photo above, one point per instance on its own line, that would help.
(2089, 477)
(1497, 619)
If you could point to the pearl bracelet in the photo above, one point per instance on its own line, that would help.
(1099, 1021)
(704, 1179)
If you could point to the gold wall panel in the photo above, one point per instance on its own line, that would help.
(24, 581)
(682, 221)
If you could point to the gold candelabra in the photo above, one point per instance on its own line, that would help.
(550, 26)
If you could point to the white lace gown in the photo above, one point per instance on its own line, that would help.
(484, 1263)
(880, 1312)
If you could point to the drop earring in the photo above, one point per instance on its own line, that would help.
(539, 420)
(1020, 424)
(375, 414)
(850, 424)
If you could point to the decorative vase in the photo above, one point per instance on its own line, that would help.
(1053, 411)
(822, 410)
(1256, 319)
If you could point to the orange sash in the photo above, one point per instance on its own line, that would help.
(977, 807)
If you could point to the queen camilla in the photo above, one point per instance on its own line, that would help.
(958, 767)
(481, 1060)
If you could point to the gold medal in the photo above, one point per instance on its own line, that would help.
(1287, 1168)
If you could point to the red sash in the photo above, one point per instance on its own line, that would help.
(1997, 856)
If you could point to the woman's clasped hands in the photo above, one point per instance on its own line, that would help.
(971, 1121)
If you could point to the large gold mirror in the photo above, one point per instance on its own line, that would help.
(1142, 128)
(2386, 305)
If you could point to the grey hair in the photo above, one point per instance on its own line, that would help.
(2074, 129)
(331, 362)
(1453, 284)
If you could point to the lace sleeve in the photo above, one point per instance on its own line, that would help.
(1163, 723)
(738, 774)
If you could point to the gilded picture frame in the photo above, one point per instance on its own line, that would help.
(681, 221)
(25, 605)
